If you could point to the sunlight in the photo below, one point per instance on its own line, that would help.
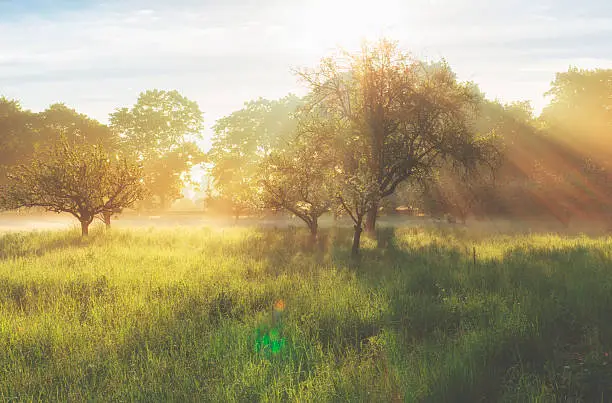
(347, 23)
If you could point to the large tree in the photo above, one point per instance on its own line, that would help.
(80, 179)
(241, 142)
(411, 115)
(160, 130)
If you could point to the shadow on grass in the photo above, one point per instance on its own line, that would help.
(25, 244)
(505, 327)
(412, 320)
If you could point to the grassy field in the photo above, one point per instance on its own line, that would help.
(259, 315)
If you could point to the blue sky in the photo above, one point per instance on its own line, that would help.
(98, 55)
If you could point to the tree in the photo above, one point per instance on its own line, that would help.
(579, 120)
(411, 115)
(345, 164)
(160, 130)
(81, 179)
(298, 181)
(59, 121)
(17, 136)
(23, 132)
(580, 109)
(357, 192)
(242, 141)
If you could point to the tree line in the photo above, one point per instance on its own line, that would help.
(377, 129)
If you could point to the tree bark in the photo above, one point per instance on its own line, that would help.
(314, 230)
(356, 239)
(85, 227)
(370, 224)
(107, 219)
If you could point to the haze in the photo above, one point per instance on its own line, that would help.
(98, 55)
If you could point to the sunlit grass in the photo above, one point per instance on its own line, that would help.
(243, 315)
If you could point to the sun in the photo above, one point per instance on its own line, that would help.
(346, 23)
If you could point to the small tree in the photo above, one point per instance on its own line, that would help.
(357, 193)
(352, 182)
(298, 181)
(83, 180)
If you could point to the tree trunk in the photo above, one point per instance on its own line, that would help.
(356, 239)
(370, 224)
(107, 219)
(314, 230)
(85, 227)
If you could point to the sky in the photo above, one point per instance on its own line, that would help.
(96, 56)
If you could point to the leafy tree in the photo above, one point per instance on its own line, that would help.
(581, 108)
(242, 141)
(347, 169)
(357, 192)
(411, 115)
(160, 130)
(81, 179)
(298, 181)
(17, 136)
(59, 121)
(579, 120)
(23, 132)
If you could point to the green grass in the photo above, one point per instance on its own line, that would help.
(188, 315)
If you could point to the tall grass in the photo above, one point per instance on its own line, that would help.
(261, 315)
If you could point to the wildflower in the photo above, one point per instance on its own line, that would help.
(605, 354)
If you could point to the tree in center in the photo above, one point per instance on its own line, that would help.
(409, 116)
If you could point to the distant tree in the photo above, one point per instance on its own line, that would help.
(81, 179)
(580, 109)
(411, 115)
(579, 120)
(160, 131)
(17, 136)
(23, 132)
(59, 121)
(242, 140)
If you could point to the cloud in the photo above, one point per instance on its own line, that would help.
(97, 55)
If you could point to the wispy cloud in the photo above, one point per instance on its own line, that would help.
(98, 56)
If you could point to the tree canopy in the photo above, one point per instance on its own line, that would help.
(409, 115)
(243, 140)
(160, 130)
(81, 179)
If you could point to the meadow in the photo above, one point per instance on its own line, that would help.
(246, 314)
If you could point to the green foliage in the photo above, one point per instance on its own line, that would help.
(59, 121)
(408, 116)
(160, 131)
(299, 181)
(80, 179)
(193, 315)
(242, 141)
(22, 133)
(390, 119)
(16, 135)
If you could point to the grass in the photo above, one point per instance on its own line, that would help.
(258, 315)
